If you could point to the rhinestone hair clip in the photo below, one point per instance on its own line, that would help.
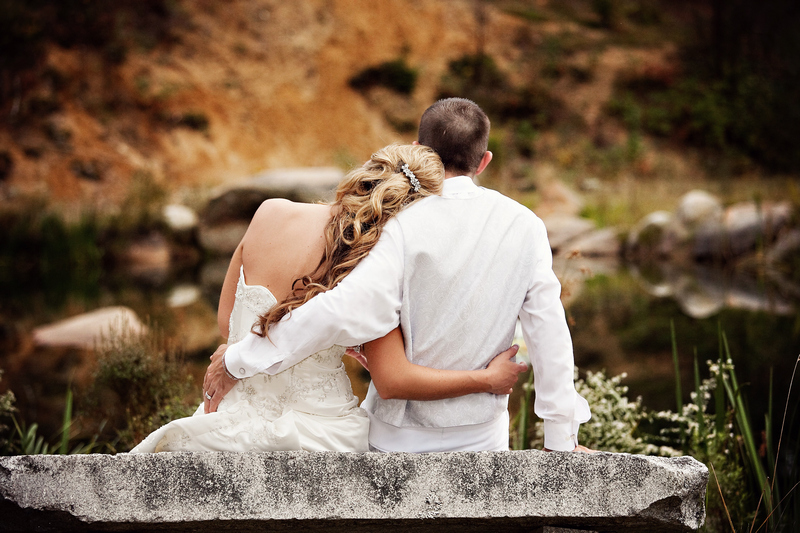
(410, 175)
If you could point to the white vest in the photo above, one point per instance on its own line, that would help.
(464, 285)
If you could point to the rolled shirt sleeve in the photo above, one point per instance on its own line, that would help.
(364, 306)
(545, 330)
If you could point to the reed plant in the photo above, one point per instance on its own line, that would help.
(745, 491)
(24, 439)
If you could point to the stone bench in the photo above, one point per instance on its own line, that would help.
(350, 492)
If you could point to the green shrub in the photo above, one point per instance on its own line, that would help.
(195, 120)
(478, 78)
(7, 410)
(394, 75)
(140, 384)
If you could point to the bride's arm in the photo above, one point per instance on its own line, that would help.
(228, 294)
(394, 376)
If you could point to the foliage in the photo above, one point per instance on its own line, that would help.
(143, 203)
(26, 440)
(478, 78)
(715, 427)
(733, 92)
(394, 75)
(26, 24)
(40, 246)
(7, 410)
(615, 423)
(140, 384)
(194, 120)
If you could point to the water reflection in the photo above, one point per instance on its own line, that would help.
(619, 315)
(703, 291)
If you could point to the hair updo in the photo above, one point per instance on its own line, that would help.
(365, 200)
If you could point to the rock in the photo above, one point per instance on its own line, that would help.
(195, 320)
(698, 299)
(787, 245)
(84, 331)
(697, 208)
(563, 228)
(749, 225)
(222, 239)
(649, 237)
(702, 292)
(183, 295)
(654, 279)
(557, 198)
(148, 258)
(179, 218)
(598, 243)
(228, 213)
(744, 227)
(360, 492)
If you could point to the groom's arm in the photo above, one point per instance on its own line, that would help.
(545, 330)
(363, 306)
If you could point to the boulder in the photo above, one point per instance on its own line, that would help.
(787, 246)
(557, 198)
(223, 221)
(223, 238)
(179, 218)
(702, 292)
(743, 228)
(183, 295)
(359, 492)
(599, 243)
(749, 225)
(563, 228)
(84, 331)
(148, 258)
(649, 237)
(698, 299)
(697, 208)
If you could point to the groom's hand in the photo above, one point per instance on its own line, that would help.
(217, 383)
(503, 372)
(578, 448)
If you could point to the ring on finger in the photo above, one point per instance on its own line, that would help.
(208, 396)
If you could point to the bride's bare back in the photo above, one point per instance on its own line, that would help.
(284, 242)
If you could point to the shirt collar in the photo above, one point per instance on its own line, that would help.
(460, 187)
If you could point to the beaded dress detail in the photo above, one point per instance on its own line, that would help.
(309, 406)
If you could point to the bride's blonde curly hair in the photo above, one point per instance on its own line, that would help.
(365, 200)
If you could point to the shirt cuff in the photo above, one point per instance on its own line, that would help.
(233, 362)
(560, 436)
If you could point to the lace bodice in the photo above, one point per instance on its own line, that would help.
(254, 300)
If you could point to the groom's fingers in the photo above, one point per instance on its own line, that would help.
(511, 352)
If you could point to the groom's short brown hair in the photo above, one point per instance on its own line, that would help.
(458, 130)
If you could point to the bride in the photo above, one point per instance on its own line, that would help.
(311, 406)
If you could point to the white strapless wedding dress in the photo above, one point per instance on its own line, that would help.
(309, 406)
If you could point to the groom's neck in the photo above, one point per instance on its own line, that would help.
(455, 174)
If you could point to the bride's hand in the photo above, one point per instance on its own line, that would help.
(356, 353)
(503, 372)
(216, 383)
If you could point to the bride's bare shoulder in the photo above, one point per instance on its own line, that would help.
(281, 207)
(277, 212)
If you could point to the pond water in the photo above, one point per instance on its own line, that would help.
(619, 316)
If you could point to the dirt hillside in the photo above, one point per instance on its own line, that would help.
(255, 84)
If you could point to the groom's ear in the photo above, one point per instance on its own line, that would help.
(485, 160)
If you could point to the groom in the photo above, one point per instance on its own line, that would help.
(455, 272)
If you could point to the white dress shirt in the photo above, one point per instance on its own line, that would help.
(455, 271)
